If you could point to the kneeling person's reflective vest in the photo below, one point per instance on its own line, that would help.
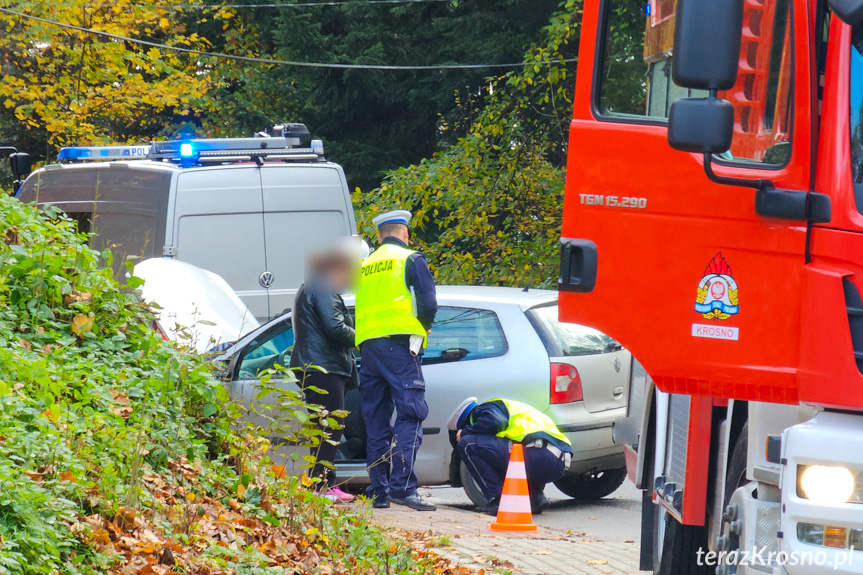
(527, 424)
(384, 304)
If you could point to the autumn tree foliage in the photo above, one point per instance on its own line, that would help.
(67, 86)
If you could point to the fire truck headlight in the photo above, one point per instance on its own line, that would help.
(824, 484)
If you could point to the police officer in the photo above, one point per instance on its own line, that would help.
(484, 434)
(395, 307)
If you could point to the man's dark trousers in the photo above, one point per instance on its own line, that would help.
(391, 377)
(487, 457)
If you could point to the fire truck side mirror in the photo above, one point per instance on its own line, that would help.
(19, 163)
(707, 39)
(849, 11)
(701, 125)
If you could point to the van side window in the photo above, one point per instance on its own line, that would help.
(635, 74)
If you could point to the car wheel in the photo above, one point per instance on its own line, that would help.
(592, 485)
(471, 488)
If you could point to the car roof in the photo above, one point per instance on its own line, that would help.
(524, 298)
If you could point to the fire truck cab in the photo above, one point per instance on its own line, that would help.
(713, 224)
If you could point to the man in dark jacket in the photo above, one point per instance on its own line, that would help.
(323, 354)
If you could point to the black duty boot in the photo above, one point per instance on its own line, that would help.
(489, 508)
(539, 504)
(414, 502)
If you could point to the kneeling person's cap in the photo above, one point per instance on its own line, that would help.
(394, 217)
(459, 416)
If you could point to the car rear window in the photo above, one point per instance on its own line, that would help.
(566, 339)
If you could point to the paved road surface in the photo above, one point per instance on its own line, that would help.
(615, 518)
(575, 537)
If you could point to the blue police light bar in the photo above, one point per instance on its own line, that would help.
(95, 153)
(187, 150)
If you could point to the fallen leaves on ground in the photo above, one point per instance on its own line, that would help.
(138, 546)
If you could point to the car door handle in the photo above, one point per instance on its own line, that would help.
(617, 390)
(578, 265)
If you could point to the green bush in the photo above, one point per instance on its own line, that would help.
(108, 433)
(88, 393)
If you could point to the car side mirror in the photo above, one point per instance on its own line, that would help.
(707, 36)
(849, 11)
(704, 125)
(20, 164)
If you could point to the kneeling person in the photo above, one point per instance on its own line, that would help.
(484, 434)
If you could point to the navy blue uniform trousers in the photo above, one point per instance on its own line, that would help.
(487, 457)
(391, 378)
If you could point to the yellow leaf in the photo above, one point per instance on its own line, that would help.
(596, 562)
(190, 496)
(81, 324)
(241, 489)
(164, 23)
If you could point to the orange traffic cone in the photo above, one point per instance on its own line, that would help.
(514, 514)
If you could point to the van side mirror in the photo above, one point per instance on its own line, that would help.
(707, 37)
(701, 125)
(20, 164)
(849, 11)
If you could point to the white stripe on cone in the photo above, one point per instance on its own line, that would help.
(515, 504)
(516, 470)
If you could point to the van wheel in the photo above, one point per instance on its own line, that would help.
(592, 485)
(471, 488)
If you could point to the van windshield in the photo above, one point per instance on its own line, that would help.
(117, 207)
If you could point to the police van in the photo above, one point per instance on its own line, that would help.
(247, 209)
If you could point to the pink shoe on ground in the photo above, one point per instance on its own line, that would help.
(341, 495)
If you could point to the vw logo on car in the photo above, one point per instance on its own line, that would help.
(267, 279)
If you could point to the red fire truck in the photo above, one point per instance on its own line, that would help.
(713, 224)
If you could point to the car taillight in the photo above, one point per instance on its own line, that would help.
(565, 384)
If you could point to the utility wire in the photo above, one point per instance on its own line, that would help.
(286, 5)
(252, 59)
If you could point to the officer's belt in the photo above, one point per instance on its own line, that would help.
(560, 454)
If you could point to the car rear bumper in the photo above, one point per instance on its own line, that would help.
(591, 437)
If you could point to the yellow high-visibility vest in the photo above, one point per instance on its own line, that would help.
(525, 420)
(384, 304)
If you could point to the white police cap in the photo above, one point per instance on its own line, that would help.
(456, 420)
(394, 217)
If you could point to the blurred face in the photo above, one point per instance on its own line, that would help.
(340, 277)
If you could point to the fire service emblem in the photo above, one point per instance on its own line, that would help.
(717, 291)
